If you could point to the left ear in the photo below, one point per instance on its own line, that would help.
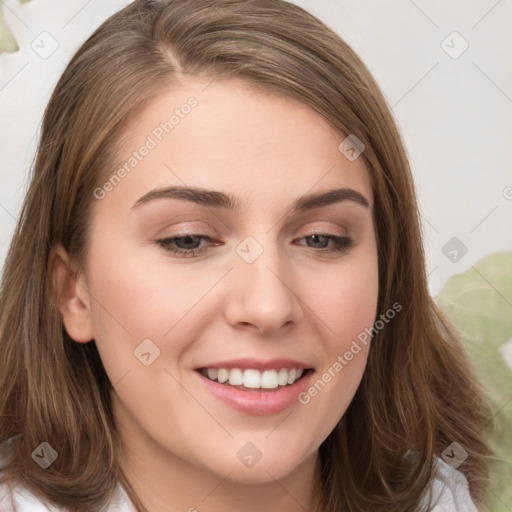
(71, 296)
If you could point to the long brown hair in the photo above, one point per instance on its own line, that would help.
(418, 392)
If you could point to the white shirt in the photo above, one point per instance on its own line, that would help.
(449, 490)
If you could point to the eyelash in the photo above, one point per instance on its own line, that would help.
(345, 244)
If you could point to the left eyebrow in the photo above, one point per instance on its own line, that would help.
(318, 199)
(217, 199)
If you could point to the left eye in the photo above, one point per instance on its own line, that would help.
(343, 243)
(190, 244)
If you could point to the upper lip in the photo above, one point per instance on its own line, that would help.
(257, 364)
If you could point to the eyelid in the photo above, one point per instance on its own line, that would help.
(345, 243)
(326, 231)
(216, 235)
(190, 231)
(206, 229)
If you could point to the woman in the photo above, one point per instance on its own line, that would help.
(215, 297)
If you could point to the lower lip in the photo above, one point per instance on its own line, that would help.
(258, 402)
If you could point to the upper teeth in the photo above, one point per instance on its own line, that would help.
(250, 378)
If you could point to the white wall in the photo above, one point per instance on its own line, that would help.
(454, 113)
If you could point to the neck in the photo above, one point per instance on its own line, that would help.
(163, 482)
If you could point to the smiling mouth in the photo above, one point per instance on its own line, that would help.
(254, 380)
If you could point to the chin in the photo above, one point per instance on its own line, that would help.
(268, 468)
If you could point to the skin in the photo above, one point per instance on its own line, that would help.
(295, 300)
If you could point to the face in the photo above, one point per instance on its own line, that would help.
(255, 277)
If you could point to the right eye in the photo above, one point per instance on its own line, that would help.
(185, 244)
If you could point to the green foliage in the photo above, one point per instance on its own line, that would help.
(479, 303)
(7, 41)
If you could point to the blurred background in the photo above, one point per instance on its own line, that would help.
(445, 69)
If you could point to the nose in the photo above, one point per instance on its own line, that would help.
(263, 295)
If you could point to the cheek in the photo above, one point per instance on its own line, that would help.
(133, 301)
(347, 305)
(345, 300)
(142, 296)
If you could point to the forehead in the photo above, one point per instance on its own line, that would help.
(228, 135)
